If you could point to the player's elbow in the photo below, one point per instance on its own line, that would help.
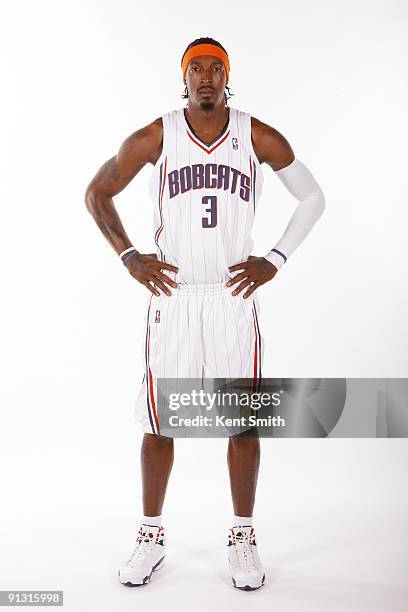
(322, 202)
(318, 202)
(91, 199)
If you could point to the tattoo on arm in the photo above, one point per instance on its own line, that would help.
(128, 145)
(109, 173)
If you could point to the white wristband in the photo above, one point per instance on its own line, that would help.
(132, 248)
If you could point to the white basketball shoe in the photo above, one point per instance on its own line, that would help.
(147, 557)
(245, 565)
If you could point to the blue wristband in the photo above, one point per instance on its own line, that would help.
(129, 257)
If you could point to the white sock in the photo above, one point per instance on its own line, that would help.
(242, 521)
(154, 521)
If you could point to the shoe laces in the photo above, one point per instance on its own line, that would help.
(244, 550)
(145, 543)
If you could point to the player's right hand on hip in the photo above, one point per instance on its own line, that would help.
(146, 268)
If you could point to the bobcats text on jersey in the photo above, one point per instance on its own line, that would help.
(209, 176)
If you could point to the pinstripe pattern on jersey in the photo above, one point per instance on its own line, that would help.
(150, 401)
(162, 182)
(201, 254)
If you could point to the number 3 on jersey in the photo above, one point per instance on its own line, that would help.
(210, 221)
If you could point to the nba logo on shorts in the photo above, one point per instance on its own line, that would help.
(157, 319)
(235, 143)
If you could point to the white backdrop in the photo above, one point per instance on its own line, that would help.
(80, 76)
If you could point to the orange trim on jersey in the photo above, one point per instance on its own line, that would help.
(205, 49)
(202, 146)
(255, 350)
(256, 376)
(159, 232)
(161, 226)
(151, 384)
(164, 179)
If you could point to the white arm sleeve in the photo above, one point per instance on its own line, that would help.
(300, 182)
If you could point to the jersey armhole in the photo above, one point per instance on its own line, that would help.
(250, 141)
(256, 164)
(160, 158)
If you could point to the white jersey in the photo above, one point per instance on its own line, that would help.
(205, 198)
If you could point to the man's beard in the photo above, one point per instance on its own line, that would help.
(207, 106)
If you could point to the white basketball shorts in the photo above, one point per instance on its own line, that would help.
(200, 331)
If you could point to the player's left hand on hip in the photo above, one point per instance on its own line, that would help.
(256, 272)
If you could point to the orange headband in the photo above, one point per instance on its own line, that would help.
(205, 49)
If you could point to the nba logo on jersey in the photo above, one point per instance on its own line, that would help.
(235, 143)
(157, 319)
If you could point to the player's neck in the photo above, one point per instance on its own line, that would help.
(203, 119)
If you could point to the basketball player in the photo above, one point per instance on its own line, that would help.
(202, 318)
